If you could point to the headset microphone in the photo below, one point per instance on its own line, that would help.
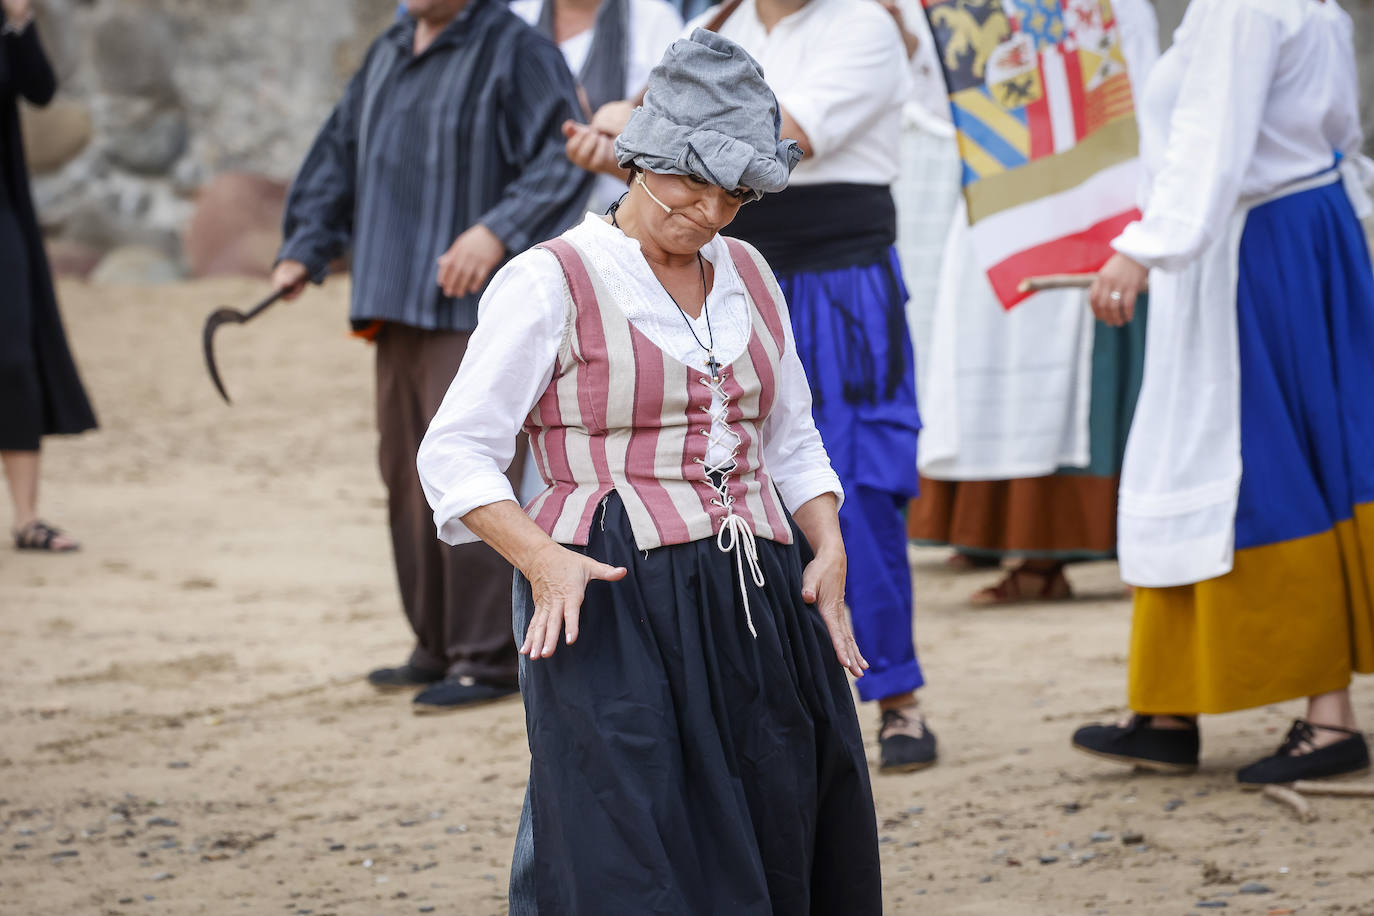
(666, 209)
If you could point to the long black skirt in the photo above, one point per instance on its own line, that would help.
(681, 766)
(40, 391)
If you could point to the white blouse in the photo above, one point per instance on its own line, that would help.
(1252, 96)
(840, 69)
(511, 358)
(653, 25)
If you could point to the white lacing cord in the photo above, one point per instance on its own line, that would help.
(735, 535)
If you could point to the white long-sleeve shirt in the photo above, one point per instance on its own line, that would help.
(1252, 96)
(511, 357)
(840, 69)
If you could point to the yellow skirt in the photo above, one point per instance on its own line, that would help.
(1290, 620)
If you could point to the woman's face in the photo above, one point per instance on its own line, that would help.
(696, 210)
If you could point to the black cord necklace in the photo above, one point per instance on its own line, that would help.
(713, 366)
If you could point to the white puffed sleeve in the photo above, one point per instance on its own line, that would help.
(509, 363)
(793, 452)
(1212, 134)
(862, 72)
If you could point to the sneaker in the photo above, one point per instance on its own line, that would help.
(1163, 750)
(1290, 763)
(406, 677)
(901, 751)
(459, 692)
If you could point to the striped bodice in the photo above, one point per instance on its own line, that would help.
(621, 414)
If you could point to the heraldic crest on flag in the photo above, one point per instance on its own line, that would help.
(1046, 129)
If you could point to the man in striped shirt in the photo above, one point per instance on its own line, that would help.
(443, 159)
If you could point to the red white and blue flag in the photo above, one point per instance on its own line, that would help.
(1046, 129)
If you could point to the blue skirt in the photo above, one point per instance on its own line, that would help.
(1295, 616)
(852, 338)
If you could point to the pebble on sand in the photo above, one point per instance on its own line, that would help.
(1131, 838)
(1254, 887)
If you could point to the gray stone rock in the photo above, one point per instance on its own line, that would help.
(1254, 887)
(104, 223)
(72, 259)
(150, 145)
(135, 265)
(189, 175)
(235, 227)
(133, 54)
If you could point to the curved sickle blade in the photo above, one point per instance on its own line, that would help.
(222, 316)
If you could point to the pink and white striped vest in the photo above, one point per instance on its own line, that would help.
(623, 415)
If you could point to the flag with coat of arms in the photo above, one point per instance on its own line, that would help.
(1046, 130)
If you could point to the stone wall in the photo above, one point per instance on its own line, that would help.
(165, 102)
(159, 97)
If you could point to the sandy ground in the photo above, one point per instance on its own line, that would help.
(184, 727)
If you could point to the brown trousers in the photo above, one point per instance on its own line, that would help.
(458, 599)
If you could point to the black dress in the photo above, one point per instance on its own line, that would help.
(682, 767)
(40, 392)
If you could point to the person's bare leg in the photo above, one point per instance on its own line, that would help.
(1031, 579)
(1172, 722)
(914, 724)
(21, 470)
(1330, 709)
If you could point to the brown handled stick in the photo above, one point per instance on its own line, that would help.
(1343, 789)
(1055, 281)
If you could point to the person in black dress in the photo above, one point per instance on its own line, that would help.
(40, 392)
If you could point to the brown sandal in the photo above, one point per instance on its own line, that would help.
(1013, 589)
(39, 535)
(964, 562)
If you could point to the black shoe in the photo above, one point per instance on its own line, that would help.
(1164, 750)
(459, 692)
(1289, 763)
(903, 753)
(406, 677)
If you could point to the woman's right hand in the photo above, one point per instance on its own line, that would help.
(590, 149)
(1115, 288)
(558, 580)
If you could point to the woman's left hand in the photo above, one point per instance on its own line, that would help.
(823, 586)
(1114, 291)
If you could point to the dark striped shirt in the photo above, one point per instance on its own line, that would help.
(421, 148)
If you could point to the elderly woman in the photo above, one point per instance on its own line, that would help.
(1247, 492)
(694, 743)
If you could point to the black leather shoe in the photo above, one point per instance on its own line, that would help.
(903, 753)
(406, 677)
(459, 692)
(1164, 750)
(1289, 763)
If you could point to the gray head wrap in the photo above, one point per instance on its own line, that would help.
(709, 113)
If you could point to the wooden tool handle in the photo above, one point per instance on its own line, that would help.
(1344, 789)
(1056, 281)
